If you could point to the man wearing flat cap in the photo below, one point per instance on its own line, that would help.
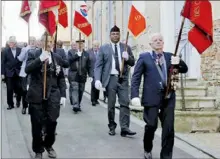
(107, 75)
(10, 71)
(80, 66)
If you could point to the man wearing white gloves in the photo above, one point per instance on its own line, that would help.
(44, 112)
(107, 75)
(80, 67)
(155, 67)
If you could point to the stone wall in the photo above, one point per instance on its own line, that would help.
(210, 64)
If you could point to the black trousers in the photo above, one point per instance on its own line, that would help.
(43, 115)
(94, 92)
(23, 84)
(13, 86)
(166, 115)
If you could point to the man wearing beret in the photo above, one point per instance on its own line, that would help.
(107, 76)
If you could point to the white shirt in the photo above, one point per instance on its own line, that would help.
(13, 52)
(114, 71)
(23, 58)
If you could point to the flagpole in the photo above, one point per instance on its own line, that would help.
(114, 12)
(71, 26)
(172, 67)
(28, 32)
(45, 68)
(101, 22)
(55, 40)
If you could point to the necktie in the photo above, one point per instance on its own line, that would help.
(116, 59)
(161, 65)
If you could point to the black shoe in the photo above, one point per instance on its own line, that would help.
(147, 155)
(38, 156)
(51, 152)
(10, 107)
(111, 132)
(93, 103)
(23, 111)
(76, 109)
(97, 102)
(127, 132)
(18, 104)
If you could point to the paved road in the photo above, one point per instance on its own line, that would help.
(83, 135)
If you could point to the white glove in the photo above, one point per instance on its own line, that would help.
(79, 53)
(125, 55)
(136, 101)
(90, 79)
(3, 76)
(63, 101)
(58, 68)
(44, 56)
(98, 85)
(27, 87)
(175, 60)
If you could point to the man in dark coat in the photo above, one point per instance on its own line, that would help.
(60, 51)
(107, 76)
(155, 66)
(44, 111)
(93, 53)
(80, 67)
(10, 72)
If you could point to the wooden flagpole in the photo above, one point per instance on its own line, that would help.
(172, 67)
(45, 68)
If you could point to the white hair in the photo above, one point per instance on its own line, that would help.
(153, 35)
(95, 42)
(12, 39)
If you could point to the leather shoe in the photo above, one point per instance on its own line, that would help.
(97, 102)
(127, 132)
(93, 103)
(10, 107)
(38, 156)
(51, 152)
(111, 132)
(147, 155)
(18, 104)
(23, 111)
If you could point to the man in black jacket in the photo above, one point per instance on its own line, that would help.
(80, 66)
(44, 111)
(10, 72)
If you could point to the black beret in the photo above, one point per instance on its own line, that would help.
(115, 29)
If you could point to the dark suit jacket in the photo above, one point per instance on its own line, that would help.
(152, 90)
(76, 63)
(61, 53)
(55, 83)
(10, 65)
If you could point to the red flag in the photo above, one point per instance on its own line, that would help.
(200, 14)
(63, 17)
(81, 23)
(25, 10)
(136, 23)
(46, 15)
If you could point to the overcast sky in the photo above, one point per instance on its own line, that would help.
(14, 25)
